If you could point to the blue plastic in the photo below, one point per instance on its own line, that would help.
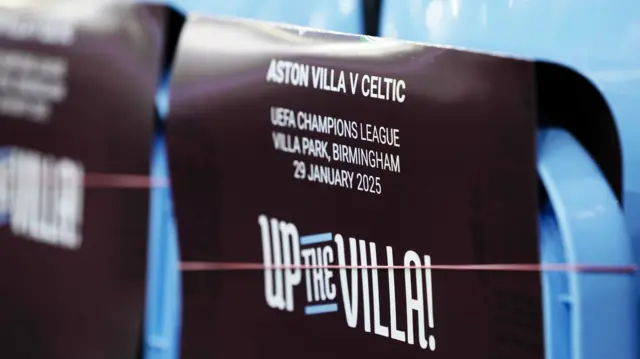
(586, 315)
(163, 307)
(164, 293)
(599, 38)
(335, 15)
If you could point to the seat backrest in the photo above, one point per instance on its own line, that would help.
(600, 39)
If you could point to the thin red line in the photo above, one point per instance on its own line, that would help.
(103, 180)
(242, 266)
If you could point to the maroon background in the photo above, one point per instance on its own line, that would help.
(466, 194)
(88, 303)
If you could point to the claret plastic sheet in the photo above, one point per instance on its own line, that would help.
(77, 84)
(298, 156)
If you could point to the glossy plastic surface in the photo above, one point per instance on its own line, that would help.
(587, 316)
(598, 38)
(162, 309)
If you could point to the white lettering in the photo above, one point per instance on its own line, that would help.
(416, 304)
(42, 197)
(288, 73)
(280, 236)
(349, 296)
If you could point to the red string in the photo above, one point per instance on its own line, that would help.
(102, 180)
(246, 266)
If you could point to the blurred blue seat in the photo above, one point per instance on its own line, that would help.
(600, 39)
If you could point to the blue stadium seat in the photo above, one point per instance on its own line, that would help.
(600, 39)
